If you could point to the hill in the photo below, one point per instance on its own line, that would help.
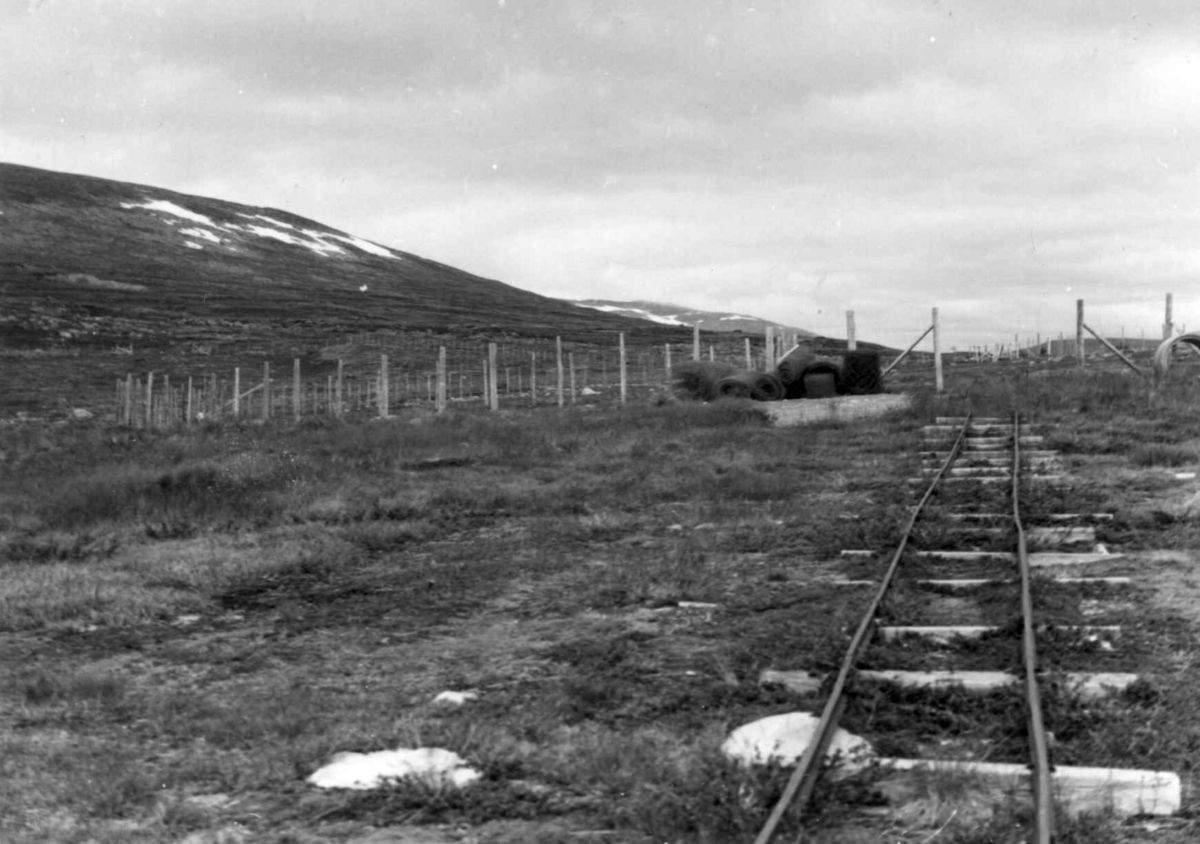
(87, 258)
(667, 314)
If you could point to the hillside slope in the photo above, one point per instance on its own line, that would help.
(83, 257)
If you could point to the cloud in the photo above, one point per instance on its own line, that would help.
(789, 159)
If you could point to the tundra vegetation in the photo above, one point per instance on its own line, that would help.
(191, 622)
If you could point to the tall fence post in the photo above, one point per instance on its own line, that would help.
(696, 342)
(558, 347)
(187, 413)
(493, 372)
(237, 391)
(1079, 331)
(296, 390)
(1168, 324)
(382, 395)
(851, 335)
(621, 347)
(149, 399)
(939, 383)
(266, 390)
(339, 401)
(667, 359)
(749, 360)
(441, 379)
(533, 379)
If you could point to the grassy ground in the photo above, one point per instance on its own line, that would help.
(191, 623)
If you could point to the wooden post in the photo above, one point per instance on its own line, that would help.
(339, 405)
(1168, 324)
(129, 399)
(712, 353)
(149, 399)
(296, 397)
(851, 336)
(187, 413)
(237, 391)
(266, 390)
(441, 380)
(558, 347)
(621, 349)
(533, 379)
(1079, 331)
(939, 384)
(571, 370)
(749, 360)
(382, 394)
(493, 372)
(696, 343)
(667, 358)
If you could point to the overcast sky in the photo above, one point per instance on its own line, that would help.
(790, 160)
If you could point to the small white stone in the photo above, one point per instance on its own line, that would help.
(449, 698)
(362, 771)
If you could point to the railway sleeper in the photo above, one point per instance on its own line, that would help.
(1122, 791)
(1037, 559)
(948, 633)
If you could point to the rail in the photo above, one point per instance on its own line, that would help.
(804, 778)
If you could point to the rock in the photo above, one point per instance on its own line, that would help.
(784, 738)
(362, 771)
(81, 413)
(449, 698)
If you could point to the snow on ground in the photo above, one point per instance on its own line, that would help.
(270, 220)
(364, 245)
(317, 241)
(636, 312)
(203, 234)
(191, 245)
(171, 208)
(434, 765)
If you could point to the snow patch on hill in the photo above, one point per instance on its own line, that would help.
(317, 241)
(636, 312)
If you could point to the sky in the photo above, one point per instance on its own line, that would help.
(790, 160)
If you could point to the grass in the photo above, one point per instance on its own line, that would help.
(195, 621)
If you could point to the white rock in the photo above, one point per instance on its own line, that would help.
(434, 765)
(81, 413)
(455, 698)
(588, 391)
(784, 738)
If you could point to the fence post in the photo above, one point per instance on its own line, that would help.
(533, 379)
(696, 343)
(667, 358)
(382, 394)
(939, 384)
(621, 357)
(749, 359)
(129, 399)
(441, 379)
(1168, 325)
(571, 371)
(1079, 331)
(493, 373)
(149, 399)
(851, 334)
(187, 413)
(296, 389)
(266, 390)
(558, 346)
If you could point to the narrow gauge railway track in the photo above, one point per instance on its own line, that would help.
(980, 461)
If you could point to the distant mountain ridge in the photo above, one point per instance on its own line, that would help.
(667, 314)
